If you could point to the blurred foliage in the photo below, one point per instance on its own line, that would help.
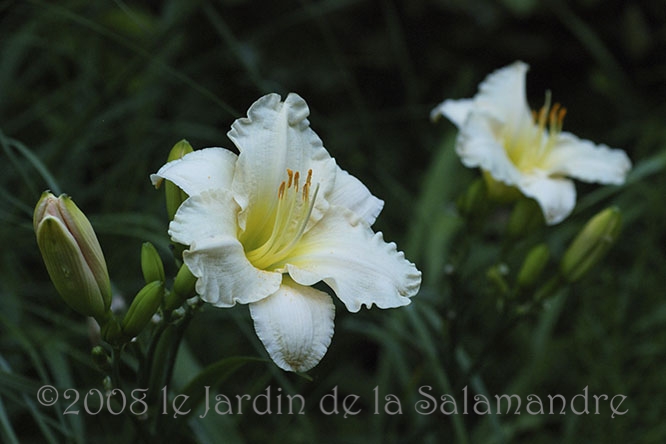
(94, 94)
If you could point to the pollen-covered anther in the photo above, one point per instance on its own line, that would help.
(556, 117)
(297, 176)
(308, 184)
(553, 116)
(290, 173)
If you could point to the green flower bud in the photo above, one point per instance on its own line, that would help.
(525, 218)
(107, 384)
(151, 263)
(72, 255)
(143, 307)
(111, 331)
(179, 150)
(591, 244)
(534, 264)
(497, 275)
(183, 289)
(174, 195)
(101, 358)
(473, 201)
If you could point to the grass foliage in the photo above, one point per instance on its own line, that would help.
(94, 94)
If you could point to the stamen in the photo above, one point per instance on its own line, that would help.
(289, 221)
(542, 117)
(560, 116)
(291, 176)
(530, 146)
(308, 183)
(556, 118)
(552, 116)
(543, 113)
(304, 221)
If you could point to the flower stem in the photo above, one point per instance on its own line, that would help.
(115, 366)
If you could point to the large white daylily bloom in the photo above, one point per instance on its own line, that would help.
(526, 150)
(264, 226)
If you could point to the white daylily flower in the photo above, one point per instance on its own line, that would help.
(264, 226)
(526, 150)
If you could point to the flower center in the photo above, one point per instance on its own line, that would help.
(535, 140)
(290, 218)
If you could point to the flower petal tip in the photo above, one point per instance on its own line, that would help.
(298, 110)
(295, 324)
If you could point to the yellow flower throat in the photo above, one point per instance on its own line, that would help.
(529, 148)
(289, 220)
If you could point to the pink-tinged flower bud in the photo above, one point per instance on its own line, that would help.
(72, 255)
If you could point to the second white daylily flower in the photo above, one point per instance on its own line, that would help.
(526, 150)
(264, 226)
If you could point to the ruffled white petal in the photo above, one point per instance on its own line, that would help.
(479, 144)
(356, 263)
(295, 324)
(276, 136)
(555, 196)
(349, 192)
(582, 159)
(207, 223)
(201, 170)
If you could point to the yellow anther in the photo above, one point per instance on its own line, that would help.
(296, 177)
(283, 186)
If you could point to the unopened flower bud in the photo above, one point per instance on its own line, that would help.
(151, 263)
(183, 289)
(591, 244)
(473, 201)
(107, 384)
(143, 307)
(497, 275)
(525, 218)
(101, 358)
(72, 255)
(534, 264)
(111, 331)
(174, 195)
